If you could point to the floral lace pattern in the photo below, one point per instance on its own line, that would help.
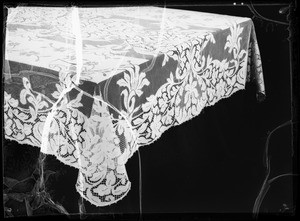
(157, 79)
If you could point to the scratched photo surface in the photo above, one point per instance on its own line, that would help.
(206, 90)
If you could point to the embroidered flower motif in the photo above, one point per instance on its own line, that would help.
(221, 88)
(191, 94)
(151, 101)
(121, 125)
(27, 129)
(102, 190)
(8, 127)
(162, 104)
(9, 100)
(155, 126)
(133, 83)
(74, 131)
(233, 42)
(18, 129)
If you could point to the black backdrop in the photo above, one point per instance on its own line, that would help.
(213, 163)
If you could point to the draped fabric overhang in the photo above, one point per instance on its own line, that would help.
(92, 85)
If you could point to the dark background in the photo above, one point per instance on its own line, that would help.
(215, 162)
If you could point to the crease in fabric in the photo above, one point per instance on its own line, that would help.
(78, 42)
(162, 29)
(78, 50)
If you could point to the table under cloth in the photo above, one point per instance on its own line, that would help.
(92, 85)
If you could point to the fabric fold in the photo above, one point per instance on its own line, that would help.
(256, 66)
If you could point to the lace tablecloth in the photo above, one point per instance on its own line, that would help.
(92, 85)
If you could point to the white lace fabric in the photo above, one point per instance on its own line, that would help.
(92, 85)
